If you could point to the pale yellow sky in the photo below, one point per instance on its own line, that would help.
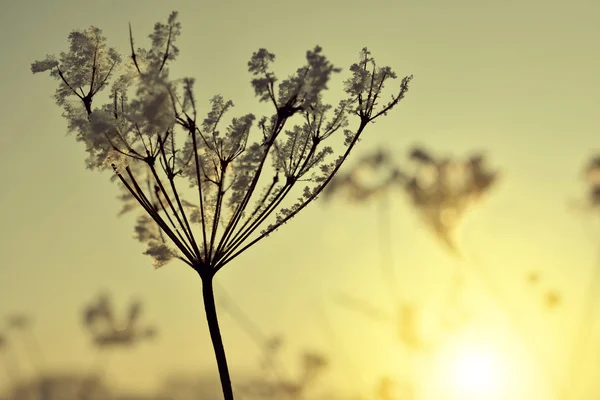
(518, 79)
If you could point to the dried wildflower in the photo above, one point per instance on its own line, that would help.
(441, 189)
(151, 136)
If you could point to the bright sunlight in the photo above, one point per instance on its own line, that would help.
(472, 366)
(475, 371)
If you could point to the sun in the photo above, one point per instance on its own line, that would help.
(471, 368)
(476, 372)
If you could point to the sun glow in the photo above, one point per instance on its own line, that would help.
(476, 372)
(471, 368)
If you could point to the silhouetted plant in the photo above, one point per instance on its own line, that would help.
(592, 177)
(22, 325)
(262, 387)
(130, 136)
(8, 360)
(186, 387)
(440, 189)
(99, 319)
(437, 188)
(107, 332)
(59, 387)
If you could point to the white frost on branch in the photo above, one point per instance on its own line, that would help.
(151, 135)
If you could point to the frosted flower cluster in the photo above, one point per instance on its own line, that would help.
(242, 172)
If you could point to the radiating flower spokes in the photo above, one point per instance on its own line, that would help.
(150, 134)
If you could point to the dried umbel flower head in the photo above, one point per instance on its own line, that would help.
(373, 174)
(440, 189)
(151, 136)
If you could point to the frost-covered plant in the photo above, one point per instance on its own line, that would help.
(153, 139)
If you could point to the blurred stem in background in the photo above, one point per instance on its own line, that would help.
(96, 372)
(581, 342)
(253, 331)
(21, 324)
(386, 252)
(10, 361)
(108, 333)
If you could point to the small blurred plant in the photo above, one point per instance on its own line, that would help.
(65, 386)
(99, 319)
(108, 333)
(440, 189)
(262, 387)
(8, 360)
(592, 178)
(21, 324)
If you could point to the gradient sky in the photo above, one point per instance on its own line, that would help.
(518, 79)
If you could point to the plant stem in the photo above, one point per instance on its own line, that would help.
(215, 335)
(95, 375)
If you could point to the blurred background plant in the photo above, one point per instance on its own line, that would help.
(108, 333)
(263, 385)
(441, 190)
(48, 384)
